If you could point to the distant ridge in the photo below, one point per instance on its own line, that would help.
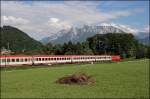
(17, 39)
(79, 34)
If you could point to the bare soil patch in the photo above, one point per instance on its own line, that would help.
(76, 78)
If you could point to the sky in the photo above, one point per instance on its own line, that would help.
(41, 19)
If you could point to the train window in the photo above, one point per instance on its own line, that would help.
(17, 60)
(42, 59)
(8, 59)
(13, 60)
(3, 60)
(26, 59)
(21, 60)
(39, 59)
(36, 59)
(29, 59)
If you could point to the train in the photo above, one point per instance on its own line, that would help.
(19, 60)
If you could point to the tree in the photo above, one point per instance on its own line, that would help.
(58, 49)
(48, 49)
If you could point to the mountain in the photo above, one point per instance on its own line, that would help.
(79, 34)
(17, 39)
(143, 37)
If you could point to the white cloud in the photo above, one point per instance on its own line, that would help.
(54, 20)
(56, 24)
(146, 29)
(11, 20)
(42, 19)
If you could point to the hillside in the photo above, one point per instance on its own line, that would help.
(17, 39)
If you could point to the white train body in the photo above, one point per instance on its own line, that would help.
(17, 60)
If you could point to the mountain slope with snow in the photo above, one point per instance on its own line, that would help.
(80, 34)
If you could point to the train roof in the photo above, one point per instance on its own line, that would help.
(27, 56)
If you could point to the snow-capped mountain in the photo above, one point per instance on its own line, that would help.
(75, 34)
(143, 37)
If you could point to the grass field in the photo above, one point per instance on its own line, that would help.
(113, 80)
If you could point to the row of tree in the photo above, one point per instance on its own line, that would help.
(123, 44)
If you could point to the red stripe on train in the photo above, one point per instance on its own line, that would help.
(115, 57)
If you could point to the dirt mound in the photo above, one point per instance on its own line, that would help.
(77, 78)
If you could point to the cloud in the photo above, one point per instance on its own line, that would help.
(146, 29)
(56, 24)
(11, 20)
(41, 19)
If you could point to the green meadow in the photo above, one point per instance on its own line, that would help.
(128, 79)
